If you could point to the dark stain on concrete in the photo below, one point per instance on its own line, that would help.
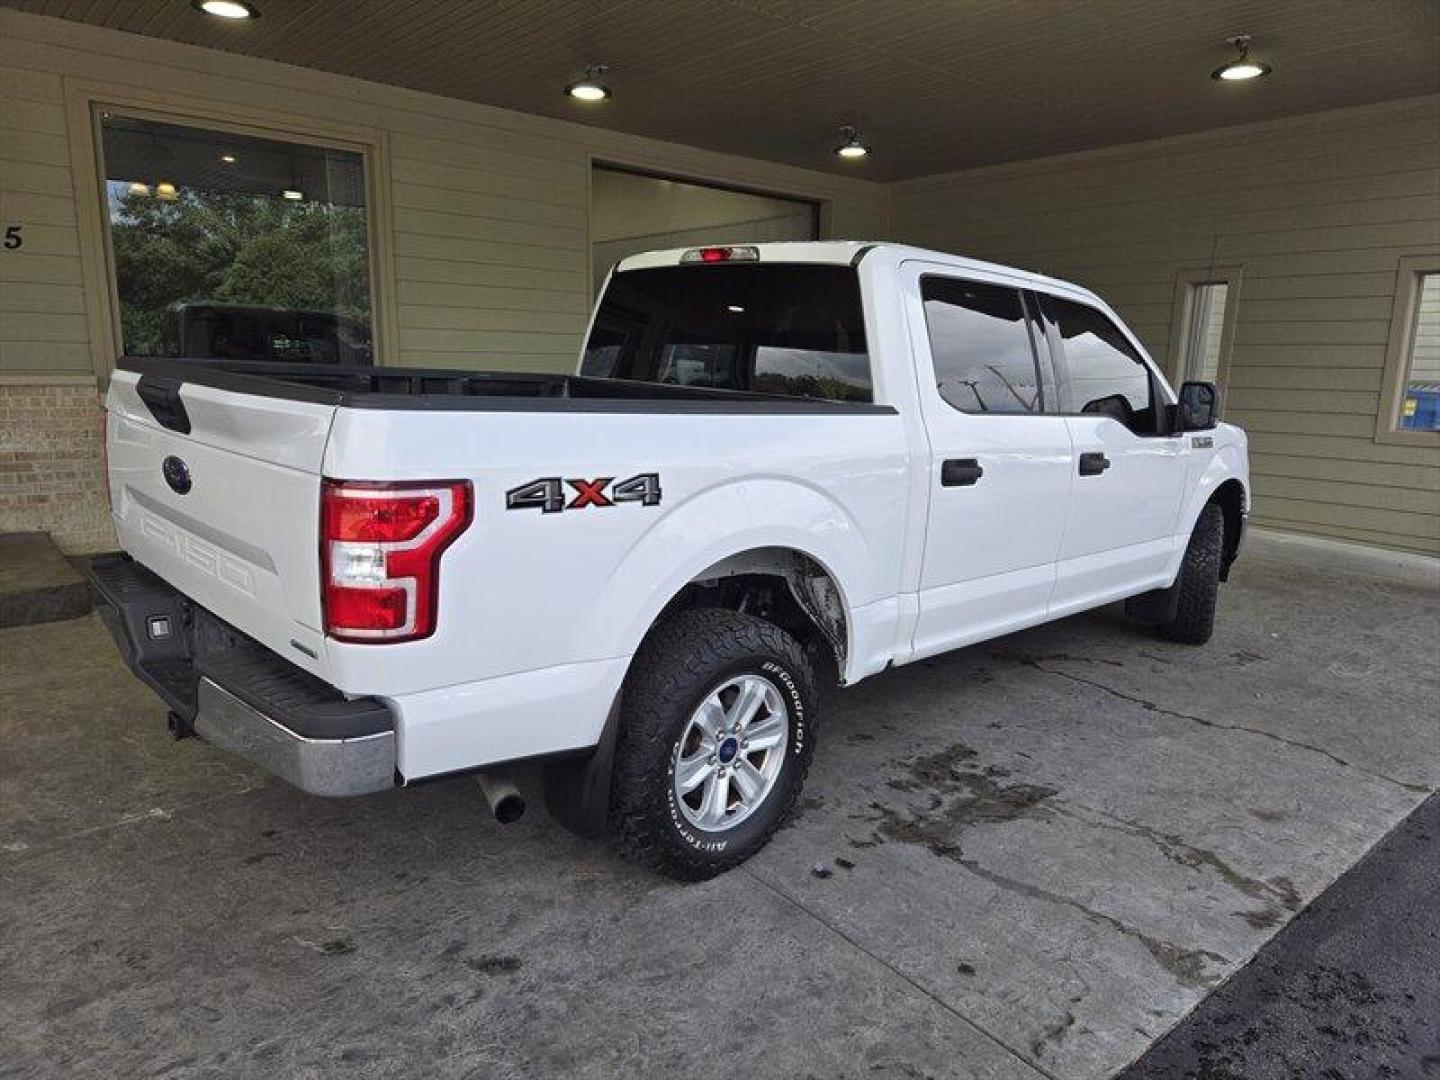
(1052, 1033)
(1243, 658)
(1267, 918)
(1262, 814)
(965, 969)
(953, 794)
(1278, 895)
(494, 964)
(1189, 967)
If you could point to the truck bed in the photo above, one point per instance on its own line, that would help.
(358, 387)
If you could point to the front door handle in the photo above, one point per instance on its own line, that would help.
(960, 472)
(1093, 463)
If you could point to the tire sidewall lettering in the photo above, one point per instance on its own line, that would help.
(716, 844)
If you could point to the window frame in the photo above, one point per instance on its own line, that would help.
(1186, 285)
(1161, 394)
(1044, 373)
(86, 104)
(1404, 315)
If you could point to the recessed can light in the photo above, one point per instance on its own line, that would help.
(590, 88)
(1242, 68)
(226, 9)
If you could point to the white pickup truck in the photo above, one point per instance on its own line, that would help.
(777, 465)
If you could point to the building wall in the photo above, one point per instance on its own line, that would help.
(483, 230)
(482, 241)
(631, 213)
(1317, 211)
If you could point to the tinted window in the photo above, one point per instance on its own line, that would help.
(980, 342)
(237, 247)
(782, 329)
(1099, 371)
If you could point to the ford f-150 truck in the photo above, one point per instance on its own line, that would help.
(776, 465)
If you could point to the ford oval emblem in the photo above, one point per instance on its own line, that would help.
(177, 474)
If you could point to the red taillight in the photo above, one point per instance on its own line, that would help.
(380, 548)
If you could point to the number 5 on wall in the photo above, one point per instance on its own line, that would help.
(12, 237)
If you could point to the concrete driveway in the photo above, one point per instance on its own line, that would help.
(1040, 853)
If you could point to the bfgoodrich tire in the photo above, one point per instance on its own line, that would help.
(717, 733)
(1199, 582)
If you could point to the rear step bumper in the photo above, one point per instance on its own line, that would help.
(237, 694)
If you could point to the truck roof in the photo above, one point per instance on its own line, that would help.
(844, 252)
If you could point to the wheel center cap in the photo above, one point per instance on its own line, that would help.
(728, 749)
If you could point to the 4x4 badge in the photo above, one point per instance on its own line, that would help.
(548, 495)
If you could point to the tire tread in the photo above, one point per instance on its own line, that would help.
(676, 658)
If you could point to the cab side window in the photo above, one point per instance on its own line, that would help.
(981, 345)
(1097, 370)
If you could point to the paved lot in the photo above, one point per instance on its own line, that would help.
(1058, 843)
(1350, 988)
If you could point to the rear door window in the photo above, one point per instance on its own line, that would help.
(791, 329)
(981, 346)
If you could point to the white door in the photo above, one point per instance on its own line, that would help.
(1129, 474)
(1000, 468)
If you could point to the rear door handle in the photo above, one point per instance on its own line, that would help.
(1093, 463)
(960, 472)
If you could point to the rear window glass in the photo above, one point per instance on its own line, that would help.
(783, 329)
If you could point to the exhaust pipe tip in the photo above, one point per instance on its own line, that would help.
(506, 803)
(509, 810)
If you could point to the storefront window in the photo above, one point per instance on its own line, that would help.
(237, 247)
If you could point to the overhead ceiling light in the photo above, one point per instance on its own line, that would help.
(292, 194)
(226, 9)
(228, 159)
(734, 309)
(590, 88)
(853, 146)
(1242, 67)
(166, 190)
(139, 188)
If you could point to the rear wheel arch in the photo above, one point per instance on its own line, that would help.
(782, 585)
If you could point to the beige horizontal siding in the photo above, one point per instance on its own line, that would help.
(42, 300)
(1317, 211)
(488, 210)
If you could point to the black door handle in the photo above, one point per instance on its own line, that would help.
(1093, 463)
(960, 472)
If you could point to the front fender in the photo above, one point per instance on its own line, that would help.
(1229, 462)
(714, 524)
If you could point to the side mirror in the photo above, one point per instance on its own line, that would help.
(1198, 408)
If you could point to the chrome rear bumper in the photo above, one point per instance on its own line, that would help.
(240, 696)
(354, 766)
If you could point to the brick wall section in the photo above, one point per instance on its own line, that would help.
(52, 476)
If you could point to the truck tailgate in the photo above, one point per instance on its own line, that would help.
(229, 511)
